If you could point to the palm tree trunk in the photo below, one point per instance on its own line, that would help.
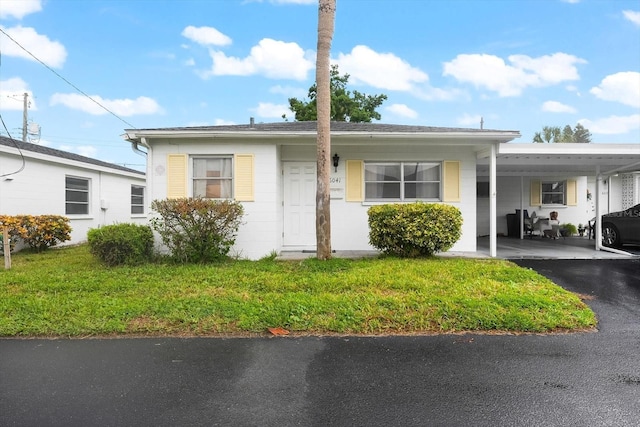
(326, 18)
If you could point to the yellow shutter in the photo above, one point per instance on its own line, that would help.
(535, 195)
(176, 176)
(244, 178)
(451, 181)
(355, 176)
(572, 192)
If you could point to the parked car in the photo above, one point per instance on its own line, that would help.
(623, 227)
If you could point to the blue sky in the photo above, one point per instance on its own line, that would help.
(519, 64)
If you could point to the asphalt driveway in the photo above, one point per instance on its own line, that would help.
(584, 379)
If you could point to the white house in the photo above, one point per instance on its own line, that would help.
(271, 169)
(38, 180)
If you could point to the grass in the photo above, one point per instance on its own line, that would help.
(66, 292)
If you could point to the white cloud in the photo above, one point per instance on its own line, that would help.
(270, 58)
(612, 125)
(493, 73)
(401, 110)
(380, 70)
(621, 87)
(222, 122)
(11, 93)
(469, 120)
(268, 110)
(50, 52)
(206, 36)
(120, 107)
(571, 1)
(284, 1)
(632, 16)
(557, 107)
(19, 8)
(289, 91)
(190, 62)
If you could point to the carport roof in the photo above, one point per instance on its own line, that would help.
(518, 159)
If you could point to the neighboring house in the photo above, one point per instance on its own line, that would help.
(271, 169)
(38, 180)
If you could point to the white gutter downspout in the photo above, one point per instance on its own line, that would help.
(493, 238)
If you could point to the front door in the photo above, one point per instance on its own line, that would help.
(300, 204)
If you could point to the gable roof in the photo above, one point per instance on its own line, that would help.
(63, 155)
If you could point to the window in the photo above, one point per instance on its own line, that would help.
(402, 181)
(76, 196)
(137, 199)
(212, 177)
(554, 193)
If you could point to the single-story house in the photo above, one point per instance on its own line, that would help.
(38, 180)
(271, 169)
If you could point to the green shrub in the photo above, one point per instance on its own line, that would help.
(197, 229)
(415, 229)
(121, 244)
(39, 232)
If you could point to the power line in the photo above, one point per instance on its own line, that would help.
(68, 82)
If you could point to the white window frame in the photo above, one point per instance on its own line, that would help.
(228, 178)
(551, 193)
(402, 181)
(139, 198)
(68, 202)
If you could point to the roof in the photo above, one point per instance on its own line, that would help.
(311, 126)
(339, 129)
(562, 159)
(47, 151)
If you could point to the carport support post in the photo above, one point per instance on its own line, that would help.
(598, 230)
(493, 238)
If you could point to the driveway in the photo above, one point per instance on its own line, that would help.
(583, 379)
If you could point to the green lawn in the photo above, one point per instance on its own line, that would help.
(66, 292)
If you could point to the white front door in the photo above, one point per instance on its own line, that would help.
(300, 204)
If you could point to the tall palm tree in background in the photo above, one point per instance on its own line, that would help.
(326, 18)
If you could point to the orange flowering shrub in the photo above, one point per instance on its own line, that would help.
(39, 232)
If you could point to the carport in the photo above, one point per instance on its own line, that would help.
(518, 161)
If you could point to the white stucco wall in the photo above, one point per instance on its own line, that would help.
(261, 231)
(39, 189)
(349, 221)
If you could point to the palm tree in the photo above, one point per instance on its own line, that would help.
(326, 19)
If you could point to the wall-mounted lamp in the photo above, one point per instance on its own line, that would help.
(336, 161)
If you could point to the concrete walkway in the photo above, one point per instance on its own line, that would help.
(508, 248)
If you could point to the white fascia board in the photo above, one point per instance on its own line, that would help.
(570, 149)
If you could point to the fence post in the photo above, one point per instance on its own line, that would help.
(6, 247)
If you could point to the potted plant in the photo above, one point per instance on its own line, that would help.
(568, 229)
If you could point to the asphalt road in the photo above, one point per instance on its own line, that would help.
(584, 379)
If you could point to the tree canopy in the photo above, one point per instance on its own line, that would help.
(346, 106)
(553, 134)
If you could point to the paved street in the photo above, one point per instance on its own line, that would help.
(586, 379)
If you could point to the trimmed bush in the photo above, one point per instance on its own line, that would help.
(197, 229)
(119, 244)
(414, 229)
(39, 232)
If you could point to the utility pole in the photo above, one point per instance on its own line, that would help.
(24, 117)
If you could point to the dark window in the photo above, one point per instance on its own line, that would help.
(137, 199)
(76, 196)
